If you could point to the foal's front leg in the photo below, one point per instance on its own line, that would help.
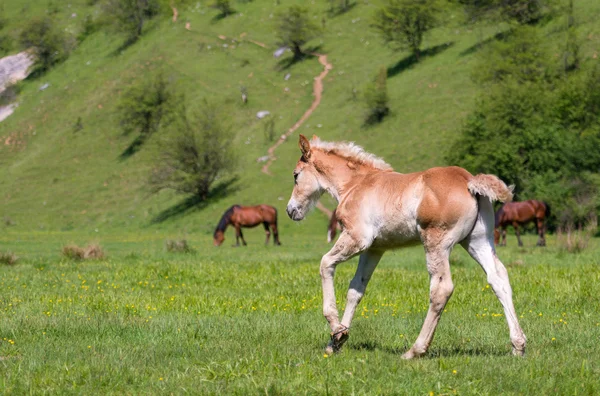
(440, 290)
(345, 248)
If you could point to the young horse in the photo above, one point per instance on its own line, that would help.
(332, 227)
(515, 213)
(247, 216)
(381, 210)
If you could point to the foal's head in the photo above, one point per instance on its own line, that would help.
(308, 186)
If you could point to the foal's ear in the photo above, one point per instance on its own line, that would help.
(304, 146)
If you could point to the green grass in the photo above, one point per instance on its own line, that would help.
(248, 320)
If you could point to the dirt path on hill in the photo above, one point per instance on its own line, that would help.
(317, 92)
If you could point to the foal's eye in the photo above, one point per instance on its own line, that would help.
(295, 178)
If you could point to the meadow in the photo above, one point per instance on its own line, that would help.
(248, 321)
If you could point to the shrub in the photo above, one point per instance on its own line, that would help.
(130, 16)
(50, 45)
(294, 28)
(91, 251)
(403, 23)
(178, 246)
(145, 108)
(8, 258)
(574, 240)
(224, 7)
(269, 128)
(376, 98)
(195, 155)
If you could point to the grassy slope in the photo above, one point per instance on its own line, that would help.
(60, 180)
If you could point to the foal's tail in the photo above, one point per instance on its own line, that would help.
(490, 186)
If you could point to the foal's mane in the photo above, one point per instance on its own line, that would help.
(350, 151)
(225, 219)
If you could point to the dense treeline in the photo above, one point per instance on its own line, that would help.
(536, 124)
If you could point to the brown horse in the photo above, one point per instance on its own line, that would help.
(247, 216)
(520, 213)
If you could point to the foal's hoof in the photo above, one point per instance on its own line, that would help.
(337, 340)
(411, 354)
(518, 352)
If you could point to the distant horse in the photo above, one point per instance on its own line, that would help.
(519, 213)
(382, 210)
(247, 216)
(332, 227)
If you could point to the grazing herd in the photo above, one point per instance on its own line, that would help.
(379, 210)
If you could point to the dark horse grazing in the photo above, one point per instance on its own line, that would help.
(247, 216)
(519, 213)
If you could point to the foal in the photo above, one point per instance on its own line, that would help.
(380, 210)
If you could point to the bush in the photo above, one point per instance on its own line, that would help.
(520, 11)
(130, 16)
(8, 258)
(294, 28)
(376, 98)
(90, 252)
(195, 155)
(178, 246)
(403, 23)
(224, 7)
(575, 240)
(147, 107)
(50, 45)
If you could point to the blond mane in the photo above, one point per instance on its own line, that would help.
(351, 152)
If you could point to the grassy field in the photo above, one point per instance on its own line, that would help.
(248, 320)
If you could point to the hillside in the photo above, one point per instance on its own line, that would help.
(55, 177)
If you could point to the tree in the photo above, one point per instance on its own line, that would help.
(520, 11)
(376, 98)
(49, 44)
(145, 108)
(295, 28)
(130, 16)
(195, 155)
(403, 23)
(224, 6)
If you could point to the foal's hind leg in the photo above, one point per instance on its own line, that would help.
(440, 290)
(481, 247)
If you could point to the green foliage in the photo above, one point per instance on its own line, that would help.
(269, 129)
(294, 28)
(337, 7)
(195, 155)
(571, 56)
(224, 6)
(376, 98)
(50, 45)
(520, 11)
(535, 128)
(520, 55)
(403, 23)
(6, 44)
(130, 16)
(147, 106)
